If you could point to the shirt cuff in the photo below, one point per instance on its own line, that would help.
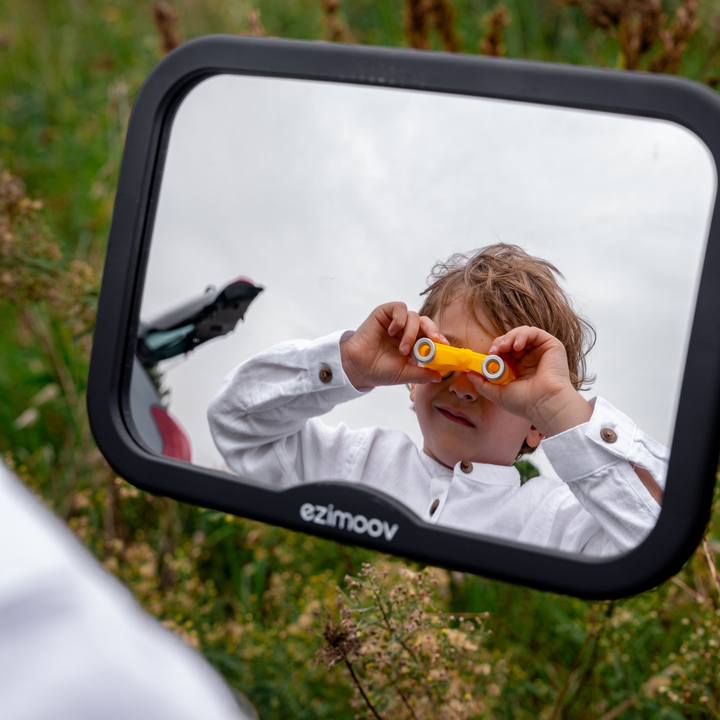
(585, 449)
(325, 370)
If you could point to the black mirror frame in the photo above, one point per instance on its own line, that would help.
(696, 441)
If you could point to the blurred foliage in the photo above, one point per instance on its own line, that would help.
(259, 601)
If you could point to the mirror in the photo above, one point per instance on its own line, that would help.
(290, 209)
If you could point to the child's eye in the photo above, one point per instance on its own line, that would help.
(445, 377)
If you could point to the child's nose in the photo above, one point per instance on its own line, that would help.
(462, 387)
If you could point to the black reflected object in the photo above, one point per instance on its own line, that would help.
(212, 315)
(695, 444)
(179, 331)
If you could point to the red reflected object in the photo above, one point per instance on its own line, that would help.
(176, 444)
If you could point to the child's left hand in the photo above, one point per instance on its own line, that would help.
(542, 391)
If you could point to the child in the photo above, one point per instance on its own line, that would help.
(501, 300)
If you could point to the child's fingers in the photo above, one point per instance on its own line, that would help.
(417, 326)
(520, 339)
(399, 312)
(429, 329)
(421, 375)
(513, 341)
(412, 325)
(485, 387)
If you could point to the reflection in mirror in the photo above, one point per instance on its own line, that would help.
(336, 199)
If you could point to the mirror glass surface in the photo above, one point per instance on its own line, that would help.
(335, 198)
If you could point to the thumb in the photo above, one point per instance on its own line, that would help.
(420, 375)
(485, 387)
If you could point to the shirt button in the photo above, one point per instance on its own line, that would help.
(608, 435)
(434, 506)
(325, 374)
(466, 466)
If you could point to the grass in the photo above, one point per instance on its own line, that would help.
(242, 592)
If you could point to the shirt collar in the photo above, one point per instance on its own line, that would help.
(435, 468)
(489, 474)
(481, 472)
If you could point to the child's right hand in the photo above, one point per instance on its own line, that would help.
(379, 352)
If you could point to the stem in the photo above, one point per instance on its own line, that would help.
(593, 657)
(624, 705)
(576, 662)
(699, 580)
(360, 688)
(38, 326)
(407, 703)
(697, 597)
(378, 601)
(73, 441)
(710, 557)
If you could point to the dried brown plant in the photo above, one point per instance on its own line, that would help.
(675, 39)
(165, 18)
(424, 16)
(417, 24)
(342, 644)
(254, 27)
(341, 641)
(32, 269)
(492, 43)
(639, 26)
(335, 29)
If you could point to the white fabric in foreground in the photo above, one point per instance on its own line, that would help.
(74, 643)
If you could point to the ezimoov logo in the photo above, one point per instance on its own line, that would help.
(327, 515)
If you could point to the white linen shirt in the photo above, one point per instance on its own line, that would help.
(264, 420)
(75, 644)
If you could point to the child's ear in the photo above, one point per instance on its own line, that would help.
(533, 437)
(412, 392)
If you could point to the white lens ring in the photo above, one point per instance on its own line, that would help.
(421, 343)
(498, 373)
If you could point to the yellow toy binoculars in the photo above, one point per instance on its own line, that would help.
(445, 359)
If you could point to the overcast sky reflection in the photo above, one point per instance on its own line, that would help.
(337, 198)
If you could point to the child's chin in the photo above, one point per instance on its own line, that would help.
(449, 460)
(441, 457)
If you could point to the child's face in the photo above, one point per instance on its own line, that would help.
(456, 422)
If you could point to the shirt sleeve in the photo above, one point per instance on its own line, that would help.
(594, 459)
(263, 416)
(75, 643)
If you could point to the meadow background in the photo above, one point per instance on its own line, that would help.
(307, 628)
